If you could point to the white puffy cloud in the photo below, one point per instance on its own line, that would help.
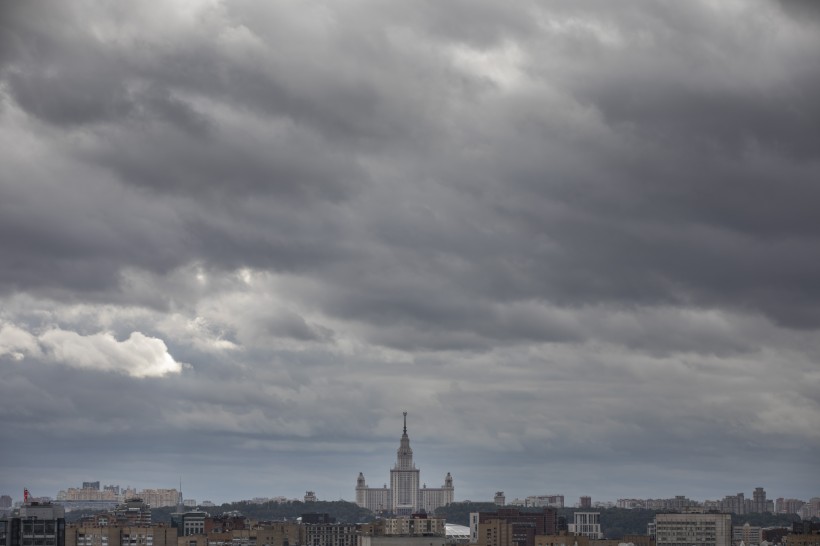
(138, 355)
(16, 342)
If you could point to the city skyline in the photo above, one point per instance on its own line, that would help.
(155, 489)
(577, 242)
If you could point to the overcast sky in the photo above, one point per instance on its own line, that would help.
(578, 242)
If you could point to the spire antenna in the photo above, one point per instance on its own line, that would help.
(405, 422)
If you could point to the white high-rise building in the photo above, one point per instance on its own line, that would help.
(404, 496)
(587, 524)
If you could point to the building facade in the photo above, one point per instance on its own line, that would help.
(587, 524)
(693, 529)
(404, 497)
(120, 535)
(511, 527)
(34, 524)
(749, 535)
(329, 534)
(415, 526)
(540, 501)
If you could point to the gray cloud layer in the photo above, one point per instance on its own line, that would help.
(568, 236)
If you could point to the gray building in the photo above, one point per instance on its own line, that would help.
(404, 496)
(34, 524)
(330, 534)
(191, 523)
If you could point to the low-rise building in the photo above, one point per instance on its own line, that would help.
(418, 525)
(749, 535)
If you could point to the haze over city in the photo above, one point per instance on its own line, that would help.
(578, 242)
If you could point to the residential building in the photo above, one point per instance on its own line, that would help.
(511, 527)
(158, 498)
(120, 535)
(329, 534)
(810, 509)
(133, 512)
(418, 525)
(630, 504)
(279, 534)
(399, 540)
(788, 506)
(587, 524)
(678, 503)
(749, 535)
(226, 523)
(734, 504)
(540, 501)
(693, 529)
(759, 504)
(569, 539)
(191, 523)
(804, 533)
(91, 497)
(34, 524)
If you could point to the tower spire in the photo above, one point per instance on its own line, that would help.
(405, 423)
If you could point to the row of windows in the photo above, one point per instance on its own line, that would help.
(39, 541)
(39, 527)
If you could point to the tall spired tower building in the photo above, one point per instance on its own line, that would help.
(404, 478)
(404, 497)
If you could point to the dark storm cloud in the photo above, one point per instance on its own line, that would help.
(540, 229)
(616, 216)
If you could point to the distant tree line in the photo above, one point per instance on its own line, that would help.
(343, 511)
(459, 512)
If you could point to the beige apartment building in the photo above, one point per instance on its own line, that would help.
(801, 540)
(279, 534)
(418, 526)
(115, 535)
(571, 539)
(397, 540)
(693, 530)
(237, 537)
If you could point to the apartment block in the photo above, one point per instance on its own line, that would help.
(693, 529)
(511, 527)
